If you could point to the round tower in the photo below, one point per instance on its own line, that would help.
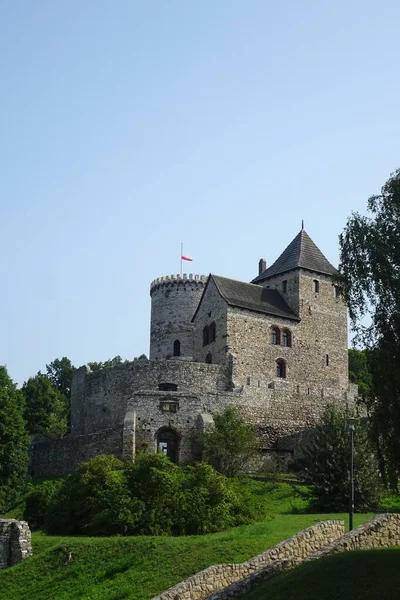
(174, 299)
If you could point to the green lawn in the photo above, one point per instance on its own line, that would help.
(361, 575)
(139, 568)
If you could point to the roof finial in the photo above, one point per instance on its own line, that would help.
(302, 224)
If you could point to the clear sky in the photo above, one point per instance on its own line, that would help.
(127, 127)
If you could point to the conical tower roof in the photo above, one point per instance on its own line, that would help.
(302, 253)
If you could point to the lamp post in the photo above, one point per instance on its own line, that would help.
(351, 422)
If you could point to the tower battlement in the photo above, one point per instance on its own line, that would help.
(167, 280)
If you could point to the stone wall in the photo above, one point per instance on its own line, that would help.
(99, 399)
(15, 542)
(174, 299)
(322, 330)
(383, 530)
(211, 310)
(295, 550)
(57, 458)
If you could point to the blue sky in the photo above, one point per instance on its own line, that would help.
(127, 127)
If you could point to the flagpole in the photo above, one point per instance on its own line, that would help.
(181, 255)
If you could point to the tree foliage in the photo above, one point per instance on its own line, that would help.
(60, 373)
(46, 411)
(359, 372)
(152, 497)
(13, 442)
(111, 362)
(326, 464)
(370, 279)
(230, 445)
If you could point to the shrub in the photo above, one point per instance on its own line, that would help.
(209, 502)
(230, 445)
(326, 464)
(155, 481)
(39, 502)
(94, 501)
(152, 497)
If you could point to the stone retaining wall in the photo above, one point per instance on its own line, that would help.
(382, 530)
(292, 551)
(15, 542)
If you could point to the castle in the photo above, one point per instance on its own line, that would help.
(275, 348)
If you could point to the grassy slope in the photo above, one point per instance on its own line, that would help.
(138, 568)
(362, 575)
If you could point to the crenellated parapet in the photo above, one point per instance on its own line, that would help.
(168, 280)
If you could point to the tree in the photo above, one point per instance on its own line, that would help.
(359, 372)
(370, 281)
(111, 362)
(13, 442)
(45, 409)
(326, 464)
(230, 445)
(60, 373)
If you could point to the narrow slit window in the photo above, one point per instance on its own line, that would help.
(177, 348)
(327, 360)
(212, 333)
(206, 335)
(284, 286)
(281, 369)
(315, 284)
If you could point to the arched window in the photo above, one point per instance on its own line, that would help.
(275, 336)
(209, 358)
(281, 368)
(284, 286)
(213, 332)
(315, 286)
(286, 338)
(206, 335)
(177, 348)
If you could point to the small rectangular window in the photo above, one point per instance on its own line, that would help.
(284, 286)
(336, 293)
(315, 284)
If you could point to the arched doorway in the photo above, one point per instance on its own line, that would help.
(168, 443)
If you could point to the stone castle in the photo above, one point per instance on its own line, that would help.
(275, 348)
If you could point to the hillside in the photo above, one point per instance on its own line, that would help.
(137, 568)
(362, 575)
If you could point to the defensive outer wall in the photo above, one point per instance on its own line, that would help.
(118, 410)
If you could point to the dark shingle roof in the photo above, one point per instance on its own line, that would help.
(253, 297)
(301, 253)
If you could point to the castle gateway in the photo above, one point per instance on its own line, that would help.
(275, 348)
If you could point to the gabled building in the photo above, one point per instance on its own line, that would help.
(275, 348)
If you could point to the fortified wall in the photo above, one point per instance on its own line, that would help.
(123, 409)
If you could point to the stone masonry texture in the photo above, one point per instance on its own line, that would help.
(160, 402)
(15, 542)
(294, 550)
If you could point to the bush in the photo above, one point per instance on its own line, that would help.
(39, 502)
(326, 464)
(155, 481)
(230, 446)
(209, 502)
(153, 497)
(93, 501)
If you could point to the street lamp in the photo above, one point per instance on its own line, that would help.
(351, 421)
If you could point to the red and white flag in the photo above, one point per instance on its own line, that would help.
(189, 258)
